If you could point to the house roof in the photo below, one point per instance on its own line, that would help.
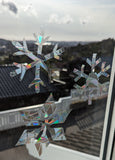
(13, 87)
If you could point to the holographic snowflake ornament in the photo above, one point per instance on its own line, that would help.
(44, 117)
(38, 61)
(92, 80)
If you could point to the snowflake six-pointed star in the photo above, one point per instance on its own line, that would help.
(38, 61)
(43, 118)
(92, 80)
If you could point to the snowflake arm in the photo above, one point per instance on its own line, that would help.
(21, 70)
(40, 40)
(55, 54)
(23, 50)
(18, 45)
(103, 70)
(37, 81)
(93, 63)
(80, 73)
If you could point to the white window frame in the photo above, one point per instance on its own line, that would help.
(109, 122)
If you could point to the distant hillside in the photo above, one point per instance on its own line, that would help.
(73, 50)
(6, 47)
(102, 48)
(68, 43)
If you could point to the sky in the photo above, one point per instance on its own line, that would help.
(62, 20)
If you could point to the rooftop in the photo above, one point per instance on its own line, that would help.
(13, 87)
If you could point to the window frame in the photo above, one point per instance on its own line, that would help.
(109, 121)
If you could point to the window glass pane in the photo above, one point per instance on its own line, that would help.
(71, 67)
(84, 125)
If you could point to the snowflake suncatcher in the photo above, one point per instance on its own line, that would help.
(43, 118)
(37, 61)
(92, 80)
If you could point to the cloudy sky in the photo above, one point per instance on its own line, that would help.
(69, 20)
